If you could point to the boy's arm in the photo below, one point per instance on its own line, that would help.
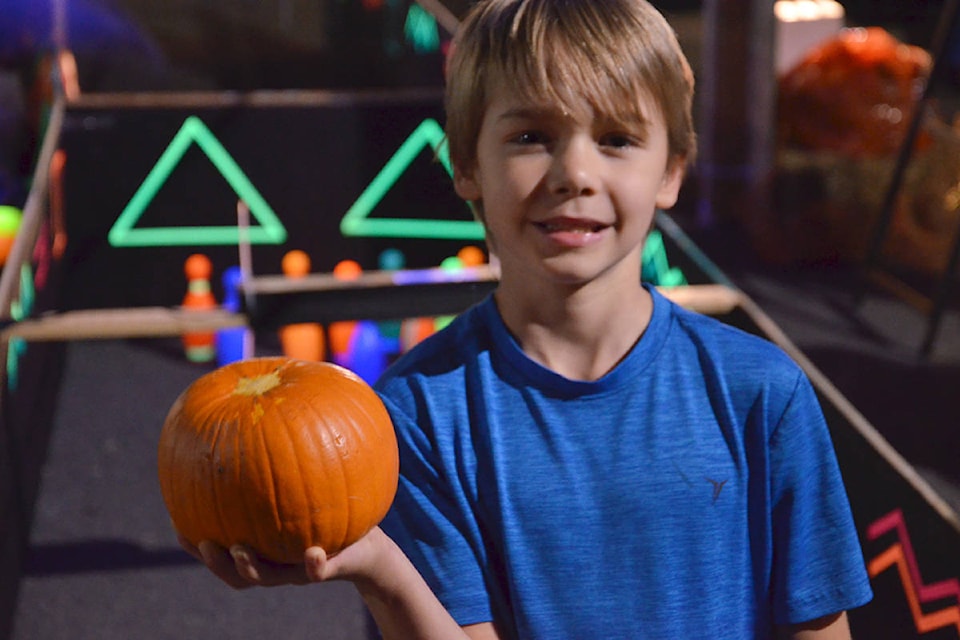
(397, 596)
(482, 631)
(832, 627)
(400, 601)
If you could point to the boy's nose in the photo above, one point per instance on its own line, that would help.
(573, 171)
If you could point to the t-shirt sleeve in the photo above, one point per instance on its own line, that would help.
(818, 561)
(433, 524)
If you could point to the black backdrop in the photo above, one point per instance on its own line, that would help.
(309, 163)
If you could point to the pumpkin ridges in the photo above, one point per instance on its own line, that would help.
(363, 484)
(234, 502)
(304, 485)
(352, 425)
(351, 447)
(168, 488)
(178, 449)
(279, 459)
(382, 475)
(273, 481)
(221, 431)
(267, 525)
(201, 453)
(201, 502)
(322, 528)
(290, 504)
(223, 472)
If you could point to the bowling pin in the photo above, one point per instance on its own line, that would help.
(340, 333)
(471, 256)
(304, 340)
(390, 260)
(199, 346)
(366, 355)
(233, 343)
(413, 331)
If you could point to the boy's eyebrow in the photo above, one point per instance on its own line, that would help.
(627, 120)
(631, 121)
(529, 113)
(526, 112)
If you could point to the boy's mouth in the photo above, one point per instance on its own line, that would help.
(570, 225)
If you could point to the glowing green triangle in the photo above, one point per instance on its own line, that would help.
(420, 29)
(356, 222)
(656, 267)
(124, 234)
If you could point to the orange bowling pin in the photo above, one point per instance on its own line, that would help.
(304, 340)
(341, 333)
(471, 256)
(199, 346)
(413, 331)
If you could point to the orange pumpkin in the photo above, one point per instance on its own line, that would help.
(278, 454)
(854, 94)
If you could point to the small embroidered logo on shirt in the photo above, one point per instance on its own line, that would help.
(717, 487)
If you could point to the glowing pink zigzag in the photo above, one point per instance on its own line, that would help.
(926, 593)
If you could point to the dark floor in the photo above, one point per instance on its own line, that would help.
(103, 562)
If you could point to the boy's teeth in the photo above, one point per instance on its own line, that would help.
(576, 228)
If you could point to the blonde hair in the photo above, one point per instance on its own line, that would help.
(615, 55)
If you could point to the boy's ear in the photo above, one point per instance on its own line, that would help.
(465, 185)
(669, 190)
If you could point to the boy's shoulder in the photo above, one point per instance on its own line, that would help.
(731, 347)
(713, 331)
(444, 352)
(730, 363)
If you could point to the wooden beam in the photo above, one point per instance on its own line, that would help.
(157, 322)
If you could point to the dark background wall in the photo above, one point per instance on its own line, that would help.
(246, 44)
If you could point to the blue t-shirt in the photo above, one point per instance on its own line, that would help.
(692, 492)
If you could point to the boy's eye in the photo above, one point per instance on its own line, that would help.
(529, 137)
(618, 140)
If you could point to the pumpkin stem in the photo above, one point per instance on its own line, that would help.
(258, 385)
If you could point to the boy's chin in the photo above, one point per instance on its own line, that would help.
(571, 273)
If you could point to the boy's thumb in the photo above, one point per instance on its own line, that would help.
(317, 565)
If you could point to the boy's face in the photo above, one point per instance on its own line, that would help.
(568, 197)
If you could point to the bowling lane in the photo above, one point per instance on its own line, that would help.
(102, 562)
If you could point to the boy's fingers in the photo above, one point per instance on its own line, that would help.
(240, 567)
(245, 565)
(316, 566)
(222, 564)
(264, 573)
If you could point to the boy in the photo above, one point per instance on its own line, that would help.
(580, 458)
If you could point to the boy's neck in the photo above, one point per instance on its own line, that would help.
(580, 333)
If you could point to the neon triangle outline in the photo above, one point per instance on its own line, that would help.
(194, 131)
(356, 223)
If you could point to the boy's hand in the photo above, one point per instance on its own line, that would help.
(240, 567)
(399, 599)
